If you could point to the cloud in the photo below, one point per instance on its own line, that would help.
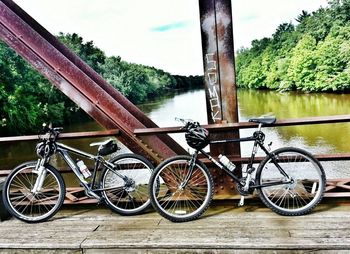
(172, 26)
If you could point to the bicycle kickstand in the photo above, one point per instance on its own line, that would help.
(241, 201)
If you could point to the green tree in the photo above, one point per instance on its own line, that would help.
(301, 71)
(301, 17)
(311, 56)
(92, 55)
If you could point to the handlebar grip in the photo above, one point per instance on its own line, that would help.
(188, 123)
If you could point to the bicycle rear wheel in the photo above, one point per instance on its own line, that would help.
(23, 203)
(306, 185)
(174, 201)
(127, 196)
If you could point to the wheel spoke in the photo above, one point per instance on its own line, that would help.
(177, 202)
(131, 195)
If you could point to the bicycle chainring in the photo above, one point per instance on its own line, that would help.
(240, 188)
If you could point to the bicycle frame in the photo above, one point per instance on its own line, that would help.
(64, 150)
(258, 138)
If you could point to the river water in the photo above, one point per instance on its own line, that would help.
(318, 139)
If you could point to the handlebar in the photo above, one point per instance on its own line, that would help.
(50, 133)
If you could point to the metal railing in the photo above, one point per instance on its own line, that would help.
(72, 135)
(335, 187)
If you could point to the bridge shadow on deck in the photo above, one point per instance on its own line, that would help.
(224, 228)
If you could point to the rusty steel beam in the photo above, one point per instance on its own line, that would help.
(12, 41)
(38, 51)
(219, 70)
(135, 111)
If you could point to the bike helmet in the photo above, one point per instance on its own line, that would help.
(197, 137)
(45, 149)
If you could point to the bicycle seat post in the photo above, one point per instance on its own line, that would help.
(259, 127)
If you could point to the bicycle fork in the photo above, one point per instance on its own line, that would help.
(189, 174)
(41, 171)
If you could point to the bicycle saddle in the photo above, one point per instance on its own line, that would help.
(263, 120)
(106, 147)
(101, 143)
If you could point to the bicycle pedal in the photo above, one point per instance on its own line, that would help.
(241, 201)
(100, 201)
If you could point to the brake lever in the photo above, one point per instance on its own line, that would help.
(58, 128)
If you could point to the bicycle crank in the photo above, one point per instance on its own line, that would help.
(240, 187)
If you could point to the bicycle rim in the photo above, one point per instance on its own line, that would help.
(29, 206)
(176, 203)
(304, 191)
(127, 197)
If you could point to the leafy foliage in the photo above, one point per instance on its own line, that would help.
(312, 56)
(27, 99)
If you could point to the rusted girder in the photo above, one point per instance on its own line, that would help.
(60, 68)
(219, 69)
(220, 82)
(218, 61)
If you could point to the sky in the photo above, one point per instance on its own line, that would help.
(160, 33)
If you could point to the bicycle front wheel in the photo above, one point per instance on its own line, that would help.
(295, 181)
(26, 205)
(127, 195)
(173, 197)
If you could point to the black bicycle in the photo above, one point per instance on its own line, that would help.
(34, 191)
(289, 180)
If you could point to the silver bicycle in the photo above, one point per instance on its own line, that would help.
(34, 191)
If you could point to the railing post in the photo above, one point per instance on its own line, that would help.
(219, 80)
(219, 70)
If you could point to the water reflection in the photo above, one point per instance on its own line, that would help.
(296, 105)
(188, 105)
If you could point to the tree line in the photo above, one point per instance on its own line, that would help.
(311, 56)
(27, 99)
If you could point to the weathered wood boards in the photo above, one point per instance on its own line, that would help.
(223, 229)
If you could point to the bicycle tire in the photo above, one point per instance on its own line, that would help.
(127, 198)
(23, 204)
(165, 190)
(298, 197)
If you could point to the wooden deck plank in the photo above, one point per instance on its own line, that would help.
(225, 228)
(210, 251)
